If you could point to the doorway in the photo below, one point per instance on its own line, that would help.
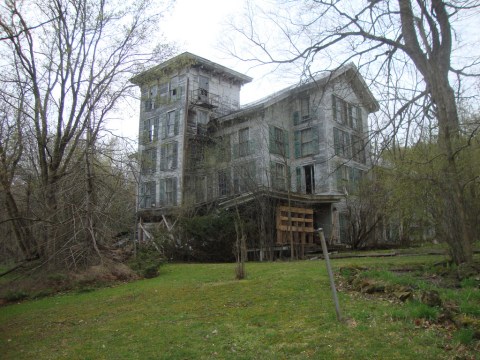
(309, 179)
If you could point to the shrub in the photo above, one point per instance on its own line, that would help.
(147, 261)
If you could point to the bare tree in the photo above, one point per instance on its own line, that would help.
(397, 42)
(72, 60)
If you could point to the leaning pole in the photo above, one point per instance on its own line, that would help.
(330, 274)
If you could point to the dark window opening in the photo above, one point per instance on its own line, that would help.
(309, 179)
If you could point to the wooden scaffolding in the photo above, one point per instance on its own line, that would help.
(295, 227)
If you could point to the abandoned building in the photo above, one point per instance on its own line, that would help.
(291, 156)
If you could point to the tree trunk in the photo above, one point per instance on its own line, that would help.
(458, 230)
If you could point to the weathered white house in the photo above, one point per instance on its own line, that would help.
(297, 151)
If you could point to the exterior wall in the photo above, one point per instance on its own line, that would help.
(300, 141)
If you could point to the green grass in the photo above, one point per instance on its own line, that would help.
(282, 310)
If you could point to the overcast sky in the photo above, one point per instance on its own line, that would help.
(198, 27)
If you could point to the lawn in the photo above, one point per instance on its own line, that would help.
(283, 310)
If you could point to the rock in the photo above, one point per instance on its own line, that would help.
(430, 298)
(465, 271)
(403, 295)
(370, 287)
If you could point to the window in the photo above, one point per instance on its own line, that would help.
(304, 113)
(151, 97)
(298, 179)
(342, 173)
(278, 176)
(278, 141)
(355, 115)
(339, 107)
(163, 91)
(202, 121)
(306, 142)
(244, 177)
(149, 161)
(347, 114)
(174, 88)
(341, 143)
(200, 182)
(348, 178)
(168, 191)
(224, 149)
(171, 124)
(149, 131)
(358, 149)
(305, 108)
(223, 183)
(168, 156)
(243, 142)
(147, 194)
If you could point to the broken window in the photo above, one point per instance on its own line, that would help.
(174, 88)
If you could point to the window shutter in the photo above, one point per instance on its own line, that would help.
(271, 139)
(336, 141)
(298, 176)
(359, 117)
(296, 118)
(164, 126)
(163, 157)
(155, 128)
(236, 151)
(162, 191)
(350, 115)
(272, 174)
(174, 185)
(298, 148)
(177, 121)
(286, 144)
(315, 142)
(334, 107)
(175, 155)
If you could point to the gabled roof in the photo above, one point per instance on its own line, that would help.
(357, 81)
(187, 60)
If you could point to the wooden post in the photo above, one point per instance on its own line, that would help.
(330, 274)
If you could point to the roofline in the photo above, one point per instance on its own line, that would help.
(371, 102)
(196, 61)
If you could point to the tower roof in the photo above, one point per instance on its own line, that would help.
(189, 60)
